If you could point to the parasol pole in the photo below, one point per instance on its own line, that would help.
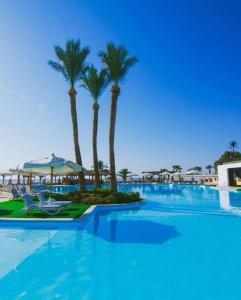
(51, 182)
(30, 183)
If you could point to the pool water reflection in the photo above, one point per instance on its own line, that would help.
(183, 242)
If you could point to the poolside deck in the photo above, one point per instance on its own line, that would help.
(4, 196)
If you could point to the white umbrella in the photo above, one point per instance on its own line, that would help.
(147, 175)
(176, 174)
(192, 172)
(132, 175)
(165, 173)
(52, 165)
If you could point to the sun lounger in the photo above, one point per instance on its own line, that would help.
(50, 209)
(43, 201)
(23, 190)
(15, 193)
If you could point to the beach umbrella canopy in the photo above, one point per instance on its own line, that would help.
(147, 175)
(176, 174)
(52, 165)
(165, 173)
(132, 175)
(192, 172)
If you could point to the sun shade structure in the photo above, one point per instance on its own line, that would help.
(192, 172)
(165, 173)
(147, 175)
(132, 175)
(6, 173)
(177, 174)
(52, 165)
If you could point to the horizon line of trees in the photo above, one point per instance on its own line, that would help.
(72, 65)
(233, 145)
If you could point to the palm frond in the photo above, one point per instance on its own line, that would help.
(59, 68)
(72, 61)
(116, 61)
(95, 82)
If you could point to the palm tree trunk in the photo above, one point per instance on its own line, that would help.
(72, 95)
(115, 93)
(95, 153)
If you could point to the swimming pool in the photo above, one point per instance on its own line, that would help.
(184, 242)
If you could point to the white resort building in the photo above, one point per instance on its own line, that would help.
(229, 174)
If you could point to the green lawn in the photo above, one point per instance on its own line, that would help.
(13, 209)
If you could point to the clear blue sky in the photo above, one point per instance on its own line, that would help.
(180, 104)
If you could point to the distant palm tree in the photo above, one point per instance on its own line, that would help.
(177, 168)
(233, 145)
(95, 83)
(163, 170)
(72, 66)
(209, 168)
(117, 62)
(198, 169)
(102, 166)
(124, 174)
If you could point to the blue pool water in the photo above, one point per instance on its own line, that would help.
(183, 242)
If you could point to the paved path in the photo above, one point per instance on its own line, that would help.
(4, 196)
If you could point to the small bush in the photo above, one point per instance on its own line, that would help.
(100, 196)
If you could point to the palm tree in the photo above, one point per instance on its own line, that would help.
(103, 167)
(198, 169)
(117, 63)
(177, 168)
(95, 83)
(163, 170)
(233, 145)
(209, 168)
(124, 173)
(72, 66)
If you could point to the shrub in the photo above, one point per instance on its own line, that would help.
(100, 196)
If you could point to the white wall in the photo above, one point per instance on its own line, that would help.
(223, 173)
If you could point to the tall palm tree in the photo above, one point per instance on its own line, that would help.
(95, 83)
(233, 145)
(177, 168)
(124, 173)
(72, 66)
(209, 168)
(117, 62)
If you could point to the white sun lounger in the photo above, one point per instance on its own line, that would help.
(44, 201)
(50, 209)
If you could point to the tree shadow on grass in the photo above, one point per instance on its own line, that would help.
(5, 212)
